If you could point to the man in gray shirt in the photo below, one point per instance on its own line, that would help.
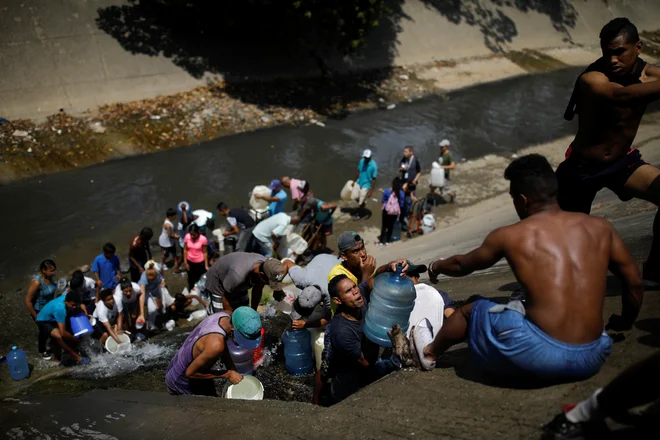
(231, 276)
(312, 306)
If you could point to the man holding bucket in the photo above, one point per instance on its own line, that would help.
(190, 371)
(52, 324)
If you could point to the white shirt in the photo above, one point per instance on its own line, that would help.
(428, 304)
(122, 301)
(275, 225)
(202, 217)
(103, 314)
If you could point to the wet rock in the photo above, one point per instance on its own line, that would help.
(20, 133)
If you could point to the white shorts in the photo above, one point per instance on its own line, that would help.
(359, 194)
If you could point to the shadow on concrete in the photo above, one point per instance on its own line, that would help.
(362, 213)
(652, 327)
(249, 42)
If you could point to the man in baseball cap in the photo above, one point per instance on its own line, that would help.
(277, 197)
(311, 309)
(185, 375)
(354, 256)
(231, 276)
(365, 178)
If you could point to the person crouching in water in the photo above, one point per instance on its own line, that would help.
(108, 316)
(190, 371)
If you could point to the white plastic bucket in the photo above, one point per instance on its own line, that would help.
(198, 314)
(437, 177)
(114, 348)
(250, 388)
(259, 204)
(346, 191)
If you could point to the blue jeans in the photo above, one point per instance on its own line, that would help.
(508, 344)
(265, 248)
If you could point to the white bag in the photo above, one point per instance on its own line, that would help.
(259, 204)
(346, 191)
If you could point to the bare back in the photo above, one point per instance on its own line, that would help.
(562, 259)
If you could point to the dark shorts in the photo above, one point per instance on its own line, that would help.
(46, 327)
(169, 250)
(580, 180)
(326, 229)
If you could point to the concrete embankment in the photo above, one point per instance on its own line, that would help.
(77, 55)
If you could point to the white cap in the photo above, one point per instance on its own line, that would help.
(366, 153)
(444, 143)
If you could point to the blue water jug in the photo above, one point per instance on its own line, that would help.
(242, 357)
(392, 300)
(298, 358)
(80, 325)
(396, 231)
(18, 364)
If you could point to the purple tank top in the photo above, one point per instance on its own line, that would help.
(175, 377)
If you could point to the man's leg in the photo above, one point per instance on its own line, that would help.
(453, 331)
(644, 183)
(56, 336)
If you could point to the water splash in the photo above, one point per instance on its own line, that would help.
(144, 355)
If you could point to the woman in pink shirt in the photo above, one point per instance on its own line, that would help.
(195, 254)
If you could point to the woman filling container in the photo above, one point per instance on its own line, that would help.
(195, 255)
(41, 290)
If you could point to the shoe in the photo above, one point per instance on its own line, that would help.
(388, 244)
(422, 335)
(46, 355)
(562, 429)
(165, 268)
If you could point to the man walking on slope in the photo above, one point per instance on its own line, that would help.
(610, 98)
(561, 259)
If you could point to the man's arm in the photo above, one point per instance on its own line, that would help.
(31, 294)
(490, 252)
(624, 268)
(111, 332)
(267, 198)
(211, 352)
(257, 291)
(598, 84)
(61, 326)
(451, 166)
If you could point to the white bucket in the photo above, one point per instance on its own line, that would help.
(198, 314)
(259, 204)
(346, 191)
(286, 305)
(250, 388)
(114, 348)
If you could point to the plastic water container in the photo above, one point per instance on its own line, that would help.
(242, 357)
(258, 359)
(80, 325)
(18, 364)
(428, 223)
(346, 191)
(437, 177)
(290, 294)
(296, 243)
(392, 300)
(298, 358)
(396, 231)
(114, 348)
(250, 388)
(259, 204)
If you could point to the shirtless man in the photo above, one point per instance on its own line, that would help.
(561, 258)
(610, 98)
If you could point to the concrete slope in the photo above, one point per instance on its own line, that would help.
(53, 53)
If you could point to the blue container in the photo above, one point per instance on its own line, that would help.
(298, 357)
(80, 325)
(242, 357)
(392, 300)
(18, 364)
(396, 231)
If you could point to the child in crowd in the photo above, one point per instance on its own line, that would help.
(106, 267)
(109, 317)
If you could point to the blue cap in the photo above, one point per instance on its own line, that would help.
(275, 183)
(247, 327)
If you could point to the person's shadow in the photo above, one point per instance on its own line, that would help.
(357, 213)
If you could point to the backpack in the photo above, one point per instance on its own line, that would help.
(392, 206)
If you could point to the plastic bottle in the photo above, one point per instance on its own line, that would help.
(392, 300)
(396, 231)
(18, 364)
(298, 358)
(437, 177)
(242, 357)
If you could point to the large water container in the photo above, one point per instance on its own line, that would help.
(392, 300)
(259, 204)
(437, 177)
(346, 191)
(80, 325)
(298, 358)
(242, 357)
(18, 364)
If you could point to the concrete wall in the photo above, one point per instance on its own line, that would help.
(53, 55)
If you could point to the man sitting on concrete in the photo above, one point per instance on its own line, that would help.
(561, 259)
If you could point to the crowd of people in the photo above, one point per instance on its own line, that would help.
(553, 330)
